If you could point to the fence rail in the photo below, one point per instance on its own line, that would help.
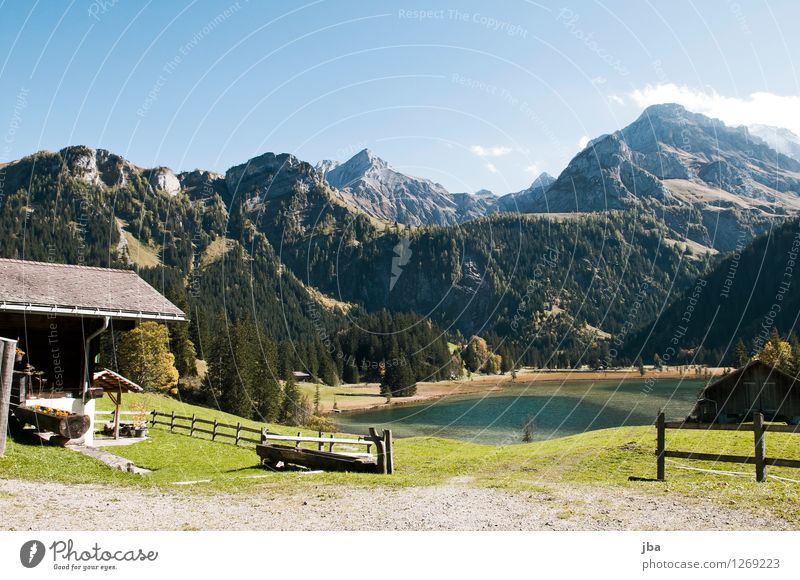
(759, 458)
(218, 429)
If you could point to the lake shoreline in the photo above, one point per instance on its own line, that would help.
(490, 384)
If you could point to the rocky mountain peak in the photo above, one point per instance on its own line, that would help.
(164, 179)
(524, 200)
(325, 166)
(544, 180)
(780, 139)
(372, 185)
(267, 171)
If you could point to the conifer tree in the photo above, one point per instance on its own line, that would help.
(742, 356)
(398, 379)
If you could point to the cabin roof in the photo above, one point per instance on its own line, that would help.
(734, 375)
(66, 290)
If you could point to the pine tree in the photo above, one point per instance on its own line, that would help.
(351, 374)
(293, 407)
(264, 385)
(237, 397)
(327, 370)
(742, 356)
(398, 379)
(317, 398)
(182, 347)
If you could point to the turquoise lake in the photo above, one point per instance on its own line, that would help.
(557, 409)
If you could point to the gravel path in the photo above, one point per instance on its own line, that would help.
(456, 506)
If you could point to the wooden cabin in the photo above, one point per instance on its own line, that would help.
(755, 388)
(57, 312)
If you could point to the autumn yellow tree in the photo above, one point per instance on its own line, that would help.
(143, 356)
(777, 352)
(478, 356)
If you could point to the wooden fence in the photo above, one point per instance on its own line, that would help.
(238, 433)
(759, 458)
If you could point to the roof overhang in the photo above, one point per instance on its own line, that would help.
(108, 380)
(88, 312)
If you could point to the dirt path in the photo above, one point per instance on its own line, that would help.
(457, 506)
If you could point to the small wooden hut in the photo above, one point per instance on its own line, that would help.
(754, 388)
(114, 385)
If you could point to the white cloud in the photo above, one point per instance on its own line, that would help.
(616, 99)
(496, 151)
(533, 169)
(583, 142)
(757, 108)
(491, 167)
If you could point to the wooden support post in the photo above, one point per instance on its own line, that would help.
(264, 433)
(172, 422)
(660, 446)
(191, 429)
(238, 431)
(330, 446)
(758, 434)
(214, 430)
(153, 420)
(116, 398)
(388, 447)
(117, 413)
(297, 443)
(8, 353)
(320, 444)
(380, 450)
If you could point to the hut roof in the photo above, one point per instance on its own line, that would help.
(734, 375)
(45, 288)
(108, 380)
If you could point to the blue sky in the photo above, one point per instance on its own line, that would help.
(470, 94)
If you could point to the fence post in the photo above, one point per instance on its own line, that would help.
(380, 450)
(320, 444)
(238, 431)
(660, 446)
(214, 431)
(388, 446)
(191, 430)
(172, 422)
(330, 445)
(153, 413)
(297, 443)
(758, 434)
(264, 432)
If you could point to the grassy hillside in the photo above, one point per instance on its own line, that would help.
(607, 457)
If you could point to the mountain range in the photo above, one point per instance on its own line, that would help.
(712, 184)
(308, 249)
